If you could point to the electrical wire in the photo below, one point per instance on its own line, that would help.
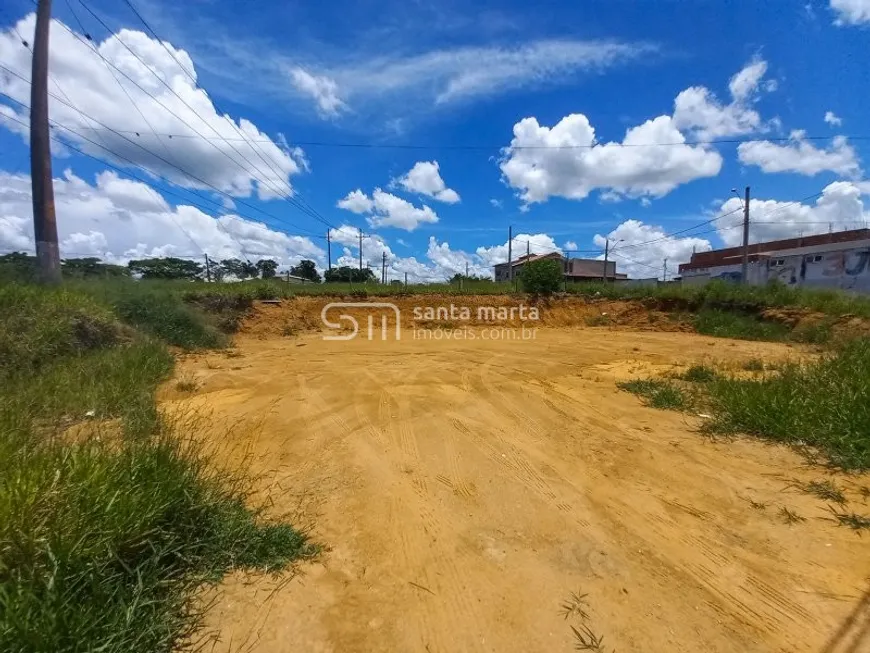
(136, 177)
(284, 195)
(199, 134)
(270, 163)
(471, 147)
(158, 157)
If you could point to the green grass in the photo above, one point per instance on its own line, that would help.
(730, 296)
(699, 374)
(823, 404)
(826, 490)
(111, 518)
(753, 365)
(658, 393)
(38, 326)
(160, 309)
(728, 324)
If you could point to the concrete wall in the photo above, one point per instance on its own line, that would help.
(847, 269)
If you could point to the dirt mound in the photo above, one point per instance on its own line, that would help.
(304, 313)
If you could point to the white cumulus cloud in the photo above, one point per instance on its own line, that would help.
(833, 119)
(839, 207)
(800, 156)
(208, 144)
(323, 90)
(699, 112)
(425, 178)
(387, 210)
(851, 12)
(641, 250)
(117, 219)
(559, 161)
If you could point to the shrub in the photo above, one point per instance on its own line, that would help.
(542, 277)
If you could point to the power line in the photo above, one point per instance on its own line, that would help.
(270, 163)
(138, 178)
(298, 202)
(289, 199)
(473, 147)
(156, 156)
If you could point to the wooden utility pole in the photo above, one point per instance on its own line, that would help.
(207, 269)
(406, 279)
(328, 250)
(744, 266)
(44, 218)
(360, 250)
(384, 267)
(665, 270)
(606, 254)
(510, 254)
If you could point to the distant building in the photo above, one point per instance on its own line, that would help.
(574, 269)
(833, 260)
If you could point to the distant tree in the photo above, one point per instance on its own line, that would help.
(456, 278)
(397, 282)
(307, 270)
(89, 267)
(239, 269)
(166, 268)
(542, 277)
(267, 268)
(347, 273)
(19, 266)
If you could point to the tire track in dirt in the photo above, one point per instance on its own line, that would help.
(423, 549)
(515, 461)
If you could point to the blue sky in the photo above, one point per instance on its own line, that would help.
(454, 82)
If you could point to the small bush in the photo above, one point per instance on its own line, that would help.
(699, 374)
(657, 393)
(542, 277)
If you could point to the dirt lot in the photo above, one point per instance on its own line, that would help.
(466, 488)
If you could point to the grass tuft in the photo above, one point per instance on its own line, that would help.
(823, 404)
(657, 393)
(730, 324)
(753, 365)
(826, 490)
(586, 640)
(574, 606)
(790, 516)
(111, 518)
(851, 520)
(699, 374)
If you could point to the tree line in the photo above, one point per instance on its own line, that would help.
(18, 265)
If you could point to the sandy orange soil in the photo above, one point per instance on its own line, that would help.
(465, 489)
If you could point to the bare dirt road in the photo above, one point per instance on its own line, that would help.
(466, 488)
